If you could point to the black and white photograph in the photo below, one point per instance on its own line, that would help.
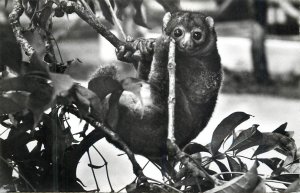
(150, 96)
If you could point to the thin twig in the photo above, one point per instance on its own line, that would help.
(23, 177)
(135, 178)
(58, 50)
(106, 168)
(94, 175)
(4, 131)
(115, 19)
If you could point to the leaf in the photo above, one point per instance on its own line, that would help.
(95, 167)
(13, 102)
(286, 177)
(223, 168)
(131, 187)
(61, 82)
(139, 18)
(244, 167)
(6, 171)
(261, 187)
(37, 64)
(104, 85)
(294, 187)
(170, 5)
(281, 130)
(272, 163)
(245, 183)
(294, 168)
(121, 5)
(225, 128)
(247, 138)
(272, 140)
(105, 10)
(192, 148)
(86, 99)
(233, 165)
(40, 92)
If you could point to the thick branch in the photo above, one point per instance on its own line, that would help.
(92, 20)
(14, 20)
(138, 171)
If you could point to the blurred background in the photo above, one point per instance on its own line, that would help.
(259, 44)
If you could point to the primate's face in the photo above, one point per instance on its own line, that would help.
(191, 31)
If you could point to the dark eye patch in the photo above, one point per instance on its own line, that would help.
(178, 32)
(197, 35)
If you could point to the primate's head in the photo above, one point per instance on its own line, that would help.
(193, 32)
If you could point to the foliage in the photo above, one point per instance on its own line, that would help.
(35, 106)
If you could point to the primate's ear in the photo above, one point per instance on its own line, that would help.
(210, 22)
(166, 20)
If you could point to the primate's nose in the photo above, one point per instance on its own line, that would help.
(185, 42)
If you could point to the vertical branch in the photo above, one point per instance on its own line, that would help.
(14, 20)
(171, 99)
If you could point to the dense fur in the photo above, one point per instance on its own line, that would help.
(198, 79)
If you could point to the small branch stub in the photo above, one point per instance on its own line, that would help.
(171, 99)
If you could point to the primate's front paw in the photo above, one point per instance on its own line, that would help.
(142, 50)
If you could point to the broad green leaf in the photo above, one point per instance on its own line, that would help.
(247, 138)
(223, 168)
(192, 148)
(105, 10)
(261, 187)
(225, 128)
(272, 140)
(245, 183)
(139, 18)
(286, 177)
(13, 102)
(26, 83)
(294, 187)
(88, 102)
(121, 5)
(61, 83)
(282, 130)
(233, 165)
(272, 163)
(170, 5)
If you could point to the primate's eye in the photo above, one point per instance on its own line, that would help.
(178, 32)
(197, 35)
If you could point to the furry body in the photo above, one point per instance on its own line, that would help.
(198, 79)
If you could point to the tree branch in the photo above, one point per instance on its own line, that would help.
(172, 147)
(138, 171)
(171, 99)
(92, 20)
(14, 20)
